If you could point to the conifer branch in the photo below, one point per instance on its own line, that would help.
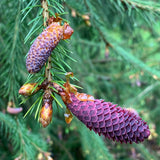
(25, 144)
(119, 23)
(45, 19)
(140, 6)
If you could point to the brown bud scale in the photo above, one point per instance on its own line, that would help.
(47, 110)
(27, 89)
(46, 114)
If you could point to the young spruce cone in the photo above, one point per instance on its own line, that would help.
(113, 122)
(44, 44)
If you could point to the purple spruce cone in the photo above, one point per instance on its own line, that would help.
(43, 46)
(113, 122)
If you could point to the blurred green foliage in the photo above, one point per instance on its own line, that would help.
(116, 48)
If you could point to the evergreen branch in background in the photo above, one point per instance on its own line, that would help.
(109, 40)
(93, 145)
(142, 95)
(135, 61)
(24, 144)
(146, 152)
(11, 55)
(149, 5)
(113, 46)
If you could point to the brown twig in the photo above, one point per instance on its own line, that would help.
(45, 12)
(46, 18)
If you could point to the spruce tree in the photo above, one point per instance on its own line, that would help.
(113, 54)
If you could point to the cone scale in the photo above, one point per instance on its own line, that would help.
(106, 119)
(44, 44)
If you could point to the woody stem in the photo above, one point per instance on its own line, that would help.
(45, 19)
